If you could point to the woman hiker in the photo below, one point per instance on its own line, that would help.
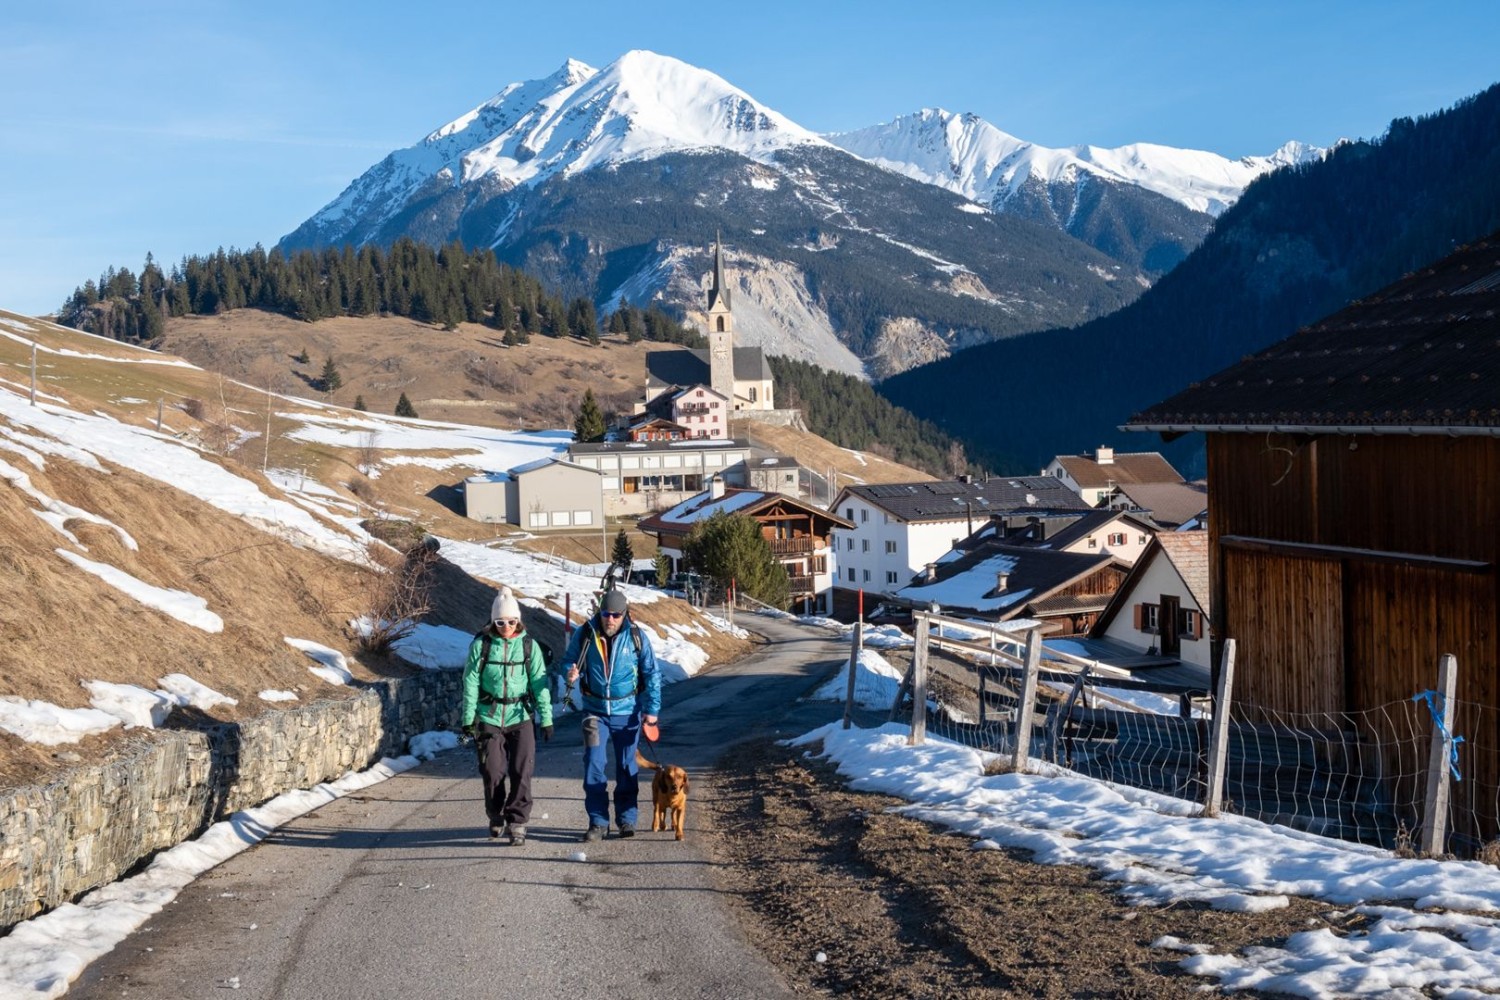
(505, 684)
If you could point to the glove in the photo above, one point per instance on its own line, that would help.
(546, 734)
(468, 730)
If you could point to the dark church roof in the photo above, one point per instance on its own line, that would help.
(1419, 356)
(689, 366)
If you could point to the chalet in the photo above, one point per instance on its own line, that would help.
(1169, 505)
(1354, 493)
(1094, 477)
(800, 536)
(546, 494)
(1065, 591)
(775, 474)
(1162, 606)
(898, 528)
(1119, 533)
(642, 476)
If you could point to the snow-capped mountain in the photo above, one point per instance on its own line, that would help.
(611, 182)
(641, 106)
(969, 156)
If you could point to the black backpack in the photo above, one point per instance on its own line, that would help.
(487, 640)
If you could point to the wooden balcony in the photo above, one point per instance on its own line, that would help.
(799, 585)
(800, 546)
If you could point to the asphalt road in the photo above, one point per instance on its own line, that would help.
(398, 892)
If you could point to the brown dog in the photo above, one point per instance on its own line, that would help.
(669, 788)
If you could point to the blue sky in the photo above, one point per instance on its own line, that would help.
(180, 127)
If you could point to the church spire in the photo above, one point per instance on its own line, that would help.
(719, 292)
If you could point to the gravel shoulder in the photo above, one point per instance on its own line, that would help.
(902, 909)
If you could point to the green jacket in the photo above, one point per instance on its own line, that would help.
(506, 691)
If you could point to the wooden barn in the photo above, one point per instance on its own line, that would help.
(1354, 513)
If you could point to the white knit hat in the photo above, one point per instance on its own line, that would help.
(505, 606)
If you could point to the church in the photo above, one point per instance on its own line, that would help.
(740, 375)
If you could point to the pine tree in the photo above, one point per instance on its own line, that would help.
(663, 568)
(331, 380)
(730, 548)
(359, 402)
(404, 407)
(623, 555)
(589, 424)
(302, 358)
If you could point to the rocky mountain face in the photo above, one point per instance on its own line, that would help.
(612, 183)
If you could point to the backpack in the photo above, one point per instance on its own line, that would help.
(487, 640)
(635, 640)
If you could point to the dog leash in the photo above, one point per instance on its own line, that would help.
(655, 757)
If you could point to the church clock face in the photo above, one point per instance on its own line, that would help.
(720, 352)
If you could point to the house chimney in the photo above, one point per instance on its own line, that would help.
(1105, 456)
(930, 576)
(1002, 580)
(715, 488)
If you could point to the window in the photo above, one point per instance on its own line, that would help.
(1189, 624)
(1146, 617)
(752, 394)
(890, 548)
(1093, 543)
(864, 517)
(1118, 538)
(890, 576)
(1143, 539)
(538, 519)
(583, 517)
(864, 545)
(848, 513)
(820, 564)
(867, 576)
(560, 519)
(851, 545)
(851, 574)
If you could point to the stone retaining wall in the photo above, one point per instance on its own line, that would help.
(94, 824)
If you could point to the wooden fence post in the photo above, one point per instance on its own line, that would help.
(1218, 737)
(919, 684)
(1435, 810)
(1027, 707)
(858, 643)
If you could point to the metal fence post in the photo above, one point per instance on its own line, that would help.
(1218, 737)
(1027, 707)
(858, 643)
(919, 684)
(1435, 809)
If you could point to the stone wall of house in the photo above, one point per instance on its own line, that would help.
(95, 823)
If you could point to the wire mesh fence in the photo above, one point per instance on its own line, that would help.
(1367, 776)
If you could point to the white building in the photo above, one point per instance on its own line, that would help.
(899, 528)
(1096, 477)
(644, 476)
(1162, 607)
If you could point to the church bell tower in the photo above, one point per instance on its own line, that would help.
(720, 330)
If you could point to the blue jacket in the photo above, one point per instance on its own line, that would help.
(612, 680)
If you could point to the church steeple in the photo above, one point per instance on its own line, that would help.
(720, 329)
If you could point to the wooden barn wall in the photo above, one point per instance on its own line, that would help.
(1328, 633)
(1287, 620)
(1425, 495)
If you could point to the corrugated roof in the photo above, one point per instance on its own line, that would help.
(947, 500)
(1422, 354)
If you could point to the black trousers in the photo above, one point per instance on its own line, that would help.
(509, 756)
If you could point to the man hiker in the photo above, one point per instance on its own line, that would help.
(620, 685)
(505, 684)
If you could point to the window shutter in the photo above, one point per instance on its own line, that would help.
(1139, 614)
(1197, 624)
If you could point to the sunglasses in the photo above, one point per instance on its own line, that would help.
(612, 614)
(507, 622)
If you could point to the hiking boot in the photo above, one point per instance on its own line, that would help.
(494, 831)
(627, 830)
(517, 835)
(593, 833)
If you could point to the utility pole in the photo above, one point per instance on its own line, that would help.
(33, 373)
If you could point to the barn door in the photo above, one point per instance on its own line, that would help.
(1166, 623)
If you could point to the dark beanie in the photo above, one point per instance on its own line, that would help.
(614, 602)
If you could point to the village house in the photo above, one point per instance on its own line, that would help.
(1065, 591)
(1162, 606)
(898, 528)
(1094, 477)
(543, 495)
(1354, 493)
(643, 476)
(1122, 534)
(800, 536)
